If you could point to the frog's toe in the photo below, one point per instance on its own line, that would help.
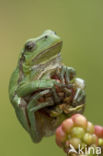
(67, 74)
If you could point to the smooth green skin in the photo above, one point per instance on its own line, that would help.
(35, 65)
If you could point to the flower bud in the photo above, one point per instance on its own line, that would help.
(90, 128)
(75, 142)
(67, 125)
(99, 131)
(94, 139)
(60, 136)
(88, 139)
(78, 132)
(80, 120)
(100, 142)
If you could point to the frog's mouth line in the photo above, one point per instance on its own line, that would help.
(47, 50)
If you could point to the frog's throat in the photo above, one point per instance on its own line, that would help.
(41, 68)
(52, 51)
(54, 60)
(48, 66)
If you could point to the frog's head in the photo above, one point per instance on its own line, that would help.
(42, 49)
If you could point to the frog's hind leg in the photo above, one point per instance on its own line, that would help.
(66, 74)
(21, 112)
(32, 107)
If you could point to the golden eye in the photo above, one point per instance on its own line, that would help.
(30, 46)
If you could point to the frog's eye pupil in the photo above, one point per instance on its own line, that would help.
(46, 36)
(30, 45)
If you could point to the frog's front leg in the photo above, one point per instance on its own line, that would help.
(30, 87)
(27, 88)
(66, 74)
(34, 106)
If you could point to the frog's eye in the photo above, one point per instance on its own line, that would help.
(46, 36)
(30, 46)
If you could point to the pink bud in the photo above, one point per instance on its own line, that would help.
(67, 125)
(99, 131)
(80, 120)
(60, 136)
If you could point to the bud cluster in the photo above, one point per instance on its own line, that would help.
(77, 131)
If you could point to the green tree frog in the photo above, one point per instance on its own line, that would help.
(39, 57)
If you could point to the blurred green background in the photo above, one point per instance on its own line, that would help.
(80, 24)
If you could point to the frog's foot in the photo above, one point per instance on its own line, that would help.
(58, 92)
(79, 97)
(33, 106)
(66, 74)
